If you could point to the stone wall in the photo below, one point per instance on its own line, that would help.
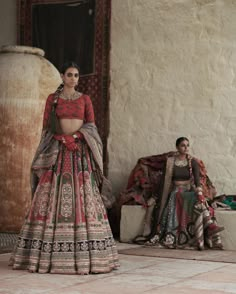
(8, 19)
(173, 65)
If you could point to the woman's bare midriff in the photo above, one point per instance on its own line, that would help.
(70, 126)
(181, 183)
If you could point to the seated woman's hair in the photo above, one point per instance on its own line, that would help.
(180, 140)
(69, 64)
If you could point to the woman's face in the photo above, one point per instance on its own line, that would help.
(183, 147)
(70, 77)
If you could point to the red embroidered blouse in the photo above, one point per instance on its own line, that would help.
(80, 108)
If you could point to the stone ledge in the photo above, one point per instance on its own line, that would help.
(132, 224)
(227, 219)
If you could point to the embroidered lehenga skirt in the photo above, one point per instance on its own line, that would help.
(186, 223)
(66, 229)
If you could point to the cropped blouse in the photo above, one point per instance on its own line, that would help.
(80, 108)
(182, 173)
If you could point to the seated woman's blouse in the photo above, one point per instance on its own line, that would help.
(182, 173)
(80, 108)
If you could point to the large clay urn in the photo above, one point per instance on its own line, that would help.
(26, 79)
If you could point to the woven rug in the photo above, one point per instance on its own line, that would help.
(206, 255)
(7, 242)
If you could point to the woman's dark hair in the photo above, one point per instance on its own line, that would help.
(180, 140)
(67, 65)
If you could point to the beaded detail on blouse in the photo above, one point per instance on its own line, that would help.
(179, 162)
(74, 96)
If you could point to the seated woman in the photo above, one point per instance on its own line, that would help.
(176, 191)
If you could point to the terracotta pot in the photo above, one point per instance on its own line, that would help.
(26, 79)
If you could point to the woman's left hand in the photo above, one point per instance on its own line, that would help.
(201, 198)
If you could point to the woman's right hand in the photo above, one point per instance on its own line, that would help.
(201, 198)
(64, 138)
(72, 146)
(68, 141)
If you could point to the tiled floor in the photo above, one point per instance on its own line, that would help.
(136, 275)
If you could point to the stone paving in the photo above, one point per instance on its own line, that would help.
(136, 275)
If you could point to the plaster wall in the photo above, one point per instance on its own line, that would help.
(173, 65)
(8, 18)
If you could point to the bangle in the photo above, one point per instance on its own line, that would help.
(75, 136)
(199, 189)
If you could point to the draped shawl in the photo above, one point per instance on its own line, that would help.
(48, 150)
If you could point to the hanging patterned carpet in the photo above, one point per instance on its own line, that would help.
(206, 255)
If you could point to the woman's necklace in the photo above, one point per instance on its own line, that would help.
(70, 97)
(181, 162)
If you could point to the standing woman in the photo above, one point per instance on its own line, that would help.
(66, 229)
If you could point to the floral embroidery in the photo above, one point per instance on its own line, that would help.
(66, 200)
